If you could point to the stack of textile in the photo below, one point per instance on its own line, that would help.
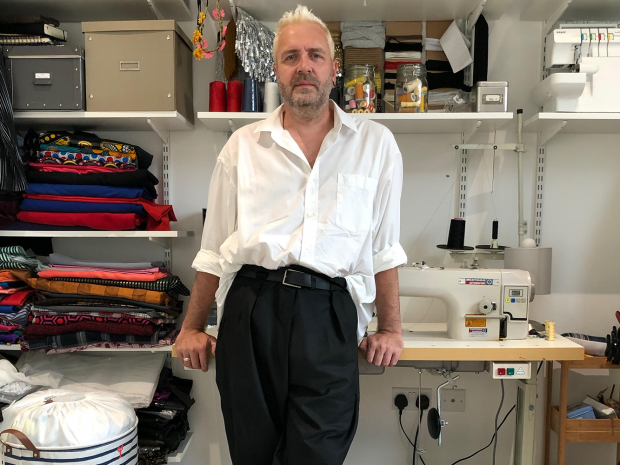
(14, 293)
(440, 75)
(363, 43)
(403, 45)
(80, 304)
(163, 424)
(80, 180)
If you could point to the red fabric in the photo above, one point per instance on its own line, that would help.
(41, 331)
(158, 219)
(19, 298)
(395, 64)
(116, 276)
(75, 168)
(101, 221)
(13, 290)
(5, 328)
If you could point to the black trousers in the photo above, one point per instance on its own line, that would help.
(287, 373)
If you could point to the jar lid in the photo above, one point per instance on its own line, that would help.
(361, 68)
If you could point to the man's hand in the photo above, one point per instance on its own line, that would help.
(382, 348)
(195, 346)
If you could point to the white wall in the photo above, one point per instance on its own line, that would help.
(580, 222)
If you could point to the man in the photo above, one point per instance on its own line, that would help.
(300, 242)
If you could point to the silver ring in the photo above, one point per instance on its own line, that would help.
(186, 359)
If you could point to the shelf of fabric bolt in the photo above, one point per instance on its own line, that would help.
(103, 120)
(92, 233)
(430, 341)
(398, 123)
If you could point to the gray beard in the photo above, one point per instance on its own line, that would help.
(303, 106)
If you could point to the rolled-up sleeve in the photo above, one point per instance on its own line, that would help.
(220, 220)
(386, 249)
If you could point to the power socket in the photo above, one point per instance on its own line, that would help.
(412, 395)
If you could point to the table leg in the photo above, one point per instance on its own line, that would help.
(548, 410)
(563, 401)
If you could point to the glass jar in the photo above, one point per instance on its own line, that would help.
(360, 90)
(411, 95)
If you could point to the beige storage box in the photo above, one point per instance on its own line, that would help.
(138, 66)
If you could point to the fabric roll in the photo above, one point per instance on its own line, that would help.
(98, 221)
(250, 95)
(121, 274)
(52, 319)
(109, 344)
(172, 285)
(54, 206)
(60, 259)
(84, 190)
(44, 298)
(35, 331)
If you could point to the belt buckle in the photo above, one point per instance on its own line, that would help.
(284, 279)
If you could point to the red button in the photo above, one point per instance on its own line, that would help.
(501, 371)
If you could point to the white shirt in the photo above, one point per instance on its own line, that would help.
(268, 207)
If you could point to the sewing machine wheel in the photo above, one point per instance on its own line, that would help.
(434, 423)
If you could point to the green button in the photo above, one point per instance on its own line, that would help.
(510, 371)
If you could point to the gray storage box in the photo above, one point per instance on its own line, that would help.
(46, 77)
(489, 96)
(138, 66)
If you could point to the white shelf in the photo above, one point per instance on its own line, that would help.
(102, 120)
(576, 123)
(182, 450)
(16, 347)
(149, 234)
(101, 10)
(374, 10)
(578, 10)
(398, 123)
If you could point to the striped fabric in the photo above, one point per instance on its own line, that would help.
(12, 177)
(172, 285)
(20, 318)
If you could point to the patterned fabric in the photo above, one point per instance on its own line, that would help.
(20, 318)
(40, 331)
(64, 319)
(12, 176)
(172, 285)
(65, 287)
(156, 317)
(85, 340)
(65, 156)
(73, 140)
(14, 257)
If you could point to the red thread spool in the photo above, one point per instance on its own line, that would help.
(217, 96)
(235, 95)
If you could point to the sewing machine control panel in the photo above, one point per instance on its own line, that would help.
(509, 370)
(516, 299)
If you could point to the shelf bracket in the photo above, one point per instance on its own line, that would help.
(166, 243)
(472, 18)
(156, 11)
(557, 14)
(160, 131)
(233, 9)
(231, 124)
(548, 134)
(469, 132)
(513, 147)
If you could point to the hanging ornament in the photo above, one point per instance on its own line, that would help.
(254, 47)
(202, 46)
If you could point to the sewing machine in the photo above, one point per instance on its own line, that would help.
(583, 62)
(482, 305)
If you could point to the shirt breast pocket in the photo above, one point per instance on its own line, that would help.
(354, 202)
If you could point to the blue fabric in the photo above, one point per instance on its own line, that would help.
(8, 308)
(35, 205)
(11, 284)
(89, 191)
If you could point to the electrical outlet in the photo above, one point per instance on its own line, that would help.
(453, 400)
(412, 395)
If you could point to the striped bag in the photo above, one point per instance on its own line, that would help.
(69, 428)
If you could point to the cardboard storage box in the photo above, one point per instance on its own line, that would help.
(138, 66)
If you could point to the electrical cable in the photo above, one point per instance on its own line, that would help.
(539, 367)
(501, 402)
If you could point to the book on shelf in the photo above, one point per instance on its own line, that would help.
(30, 29)
(27, 40)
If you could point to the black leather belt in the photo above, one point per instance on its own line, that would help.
(294, 278)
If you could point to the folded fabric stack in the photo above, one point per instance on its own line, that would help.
(80, 305)
(79, 180)
(163, 425)
(14, 293)
(440, 74)
(403, 45)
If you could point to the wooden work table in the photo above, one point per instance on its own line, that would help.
(429, 341)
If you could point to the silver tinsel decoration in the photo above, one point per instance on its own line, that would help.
(254, 47)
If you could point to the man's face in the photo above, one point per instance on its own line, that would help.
(303, 66)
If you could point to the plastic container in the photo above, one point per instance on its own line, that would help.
(411, 89)
(360, 89)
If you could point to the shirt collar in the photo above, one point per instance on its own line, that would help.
(273, 123)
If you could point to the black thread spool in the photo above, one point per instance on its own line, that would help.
(456, 236)
(494, 236)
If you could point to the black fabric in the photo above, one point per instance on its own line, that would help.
(394, 45)
(38, 245)
(287, 373)
(437, 65)
(137, 178)
(481, 50)
(446, 80)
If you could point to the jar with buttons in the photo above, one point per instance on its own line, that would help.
(360, 89)
(411, 94)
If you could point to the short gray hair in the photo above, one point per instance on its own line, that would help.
(302, 15)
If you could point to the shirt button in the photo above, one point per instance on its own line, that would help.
(310, 215)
